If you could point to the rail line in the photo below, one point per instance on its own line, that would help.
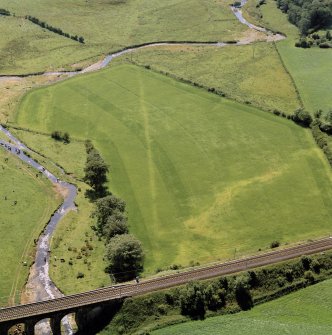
(94, 297)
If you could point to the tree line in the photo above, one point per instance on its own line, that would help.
(55, 30)
(124, 253)
(307, 15)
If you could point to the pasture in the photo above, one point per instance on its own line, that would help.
(249, 73)
(106, 26)
(311, 68)
(304, 312)
(20, 223)
(201, 175)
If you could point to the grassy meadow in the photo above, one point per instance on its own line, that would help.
(36, 201)
(106, 26)
(200, 174)
(78, 258)
(311, 68)
(249, 73)
(304, 312)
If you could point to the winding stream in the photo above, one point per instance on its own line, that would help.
(39, 278)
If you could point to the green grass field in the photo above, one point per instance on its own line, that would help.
(106, 26)
(20, 224)
(250, 73)
(78, 224)
(310, 68)
(201, 175)
(305, 312)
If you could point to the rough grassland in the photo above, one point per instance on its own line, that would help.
(65, 246)
(201, 175)
(20, 224)
(110, 25)
(305, 312)
(251, 73)
(310, 68)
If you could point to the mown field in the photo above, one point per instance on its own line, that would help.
(249, 73)
(20, 223)
(310, 68)
(305, 312)
(201, 175)
(106, 26)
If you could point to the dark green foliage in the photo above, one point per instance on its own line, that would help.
(106, 208)
(253, 280)
(309, 276)
(275, 244)
(306, 261)
(302, 117)
(307, 14)
(116, 225)
(95, 171)
(125, 256)
(59, 136)
(215, 297)
(53, 29)
(315, 266)
(242, 293)
(192, 301)
(322, 139)
(4, 12)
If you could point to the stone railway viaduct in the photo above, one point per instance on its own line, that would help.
(84, 303)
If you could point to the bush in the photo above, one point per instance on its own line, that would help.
(315, 266)
(325, 45)
(242, 294)
(302, 117)
(215, 297)
(306, 261)
(309, 277)
(192, 301)
(274, 244)
(80, 275)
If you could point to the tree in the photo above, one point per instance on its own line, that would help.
(242, 294)
(105, 208)
(125, 256)
(66, 138)
(215, 297)
(192, 301)
(116, 225)
(302, 117)
(96, 172)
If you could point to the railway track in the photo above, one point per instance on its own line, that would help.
(72, 302)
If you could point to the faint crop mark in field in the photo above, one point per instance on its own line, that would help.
(223, 200)
(147, 135)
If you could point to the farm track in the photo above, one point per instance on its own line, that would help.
(71, 302)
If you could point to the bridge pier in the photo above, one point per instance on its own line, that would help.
(55, 323)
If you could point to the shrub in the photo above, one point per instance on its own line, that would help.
(309, 277)
(242, 294)
(306, 261)
(274, 244)
(315, 266)
(289, 275)
(80, 275)
(192, 301)
(302, 117)
(215, 297)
